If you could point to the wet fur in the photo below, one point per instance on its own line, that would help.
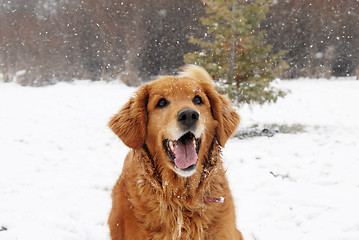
(150, 200)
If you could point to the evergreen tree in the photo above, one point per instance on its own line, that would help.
(234, 52)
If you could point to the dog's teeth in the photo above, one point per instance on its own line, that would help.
(170, 143)
(194, 142)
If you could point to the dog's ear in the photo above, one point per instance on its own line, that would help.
(130, 122)
(223, 111)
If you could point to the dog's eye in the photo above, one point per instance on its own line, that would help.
(197, 100)
(162, 103)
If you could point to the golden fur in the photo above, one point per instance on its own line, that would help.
(151, 200)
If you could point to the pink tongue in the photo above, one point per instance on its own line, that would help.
(185, 154)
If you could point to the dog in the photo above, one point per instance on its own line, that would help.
(173, 184)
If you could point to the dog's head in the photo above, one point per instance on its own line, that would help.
(177, 118)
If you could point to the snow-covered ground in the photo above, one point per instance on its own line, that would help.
(59, 161)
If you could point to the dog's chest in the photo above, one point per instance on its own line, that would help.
(174, 218)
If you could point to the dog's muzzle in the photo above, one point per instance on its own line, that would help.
(183, 152)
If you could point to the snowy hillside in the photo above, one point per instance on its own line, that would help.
(59, 161)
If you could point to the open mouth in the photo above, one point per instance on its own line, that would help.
(183, 152)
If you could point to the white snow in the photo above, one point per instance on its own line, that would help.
(59, 161)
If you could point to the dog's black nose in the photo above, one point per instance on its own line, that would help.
(187, 117)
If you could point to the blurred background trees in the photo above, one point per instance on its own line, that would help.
(321, 36)
(235, 52)
(46, 41)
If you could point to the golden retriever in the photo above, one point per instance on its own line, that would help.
(173, 185)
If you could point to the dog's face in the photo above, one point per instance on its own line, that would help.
(180, 123)
(177, 119)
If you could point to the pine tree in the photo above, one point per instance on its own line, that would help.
(234, 52)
